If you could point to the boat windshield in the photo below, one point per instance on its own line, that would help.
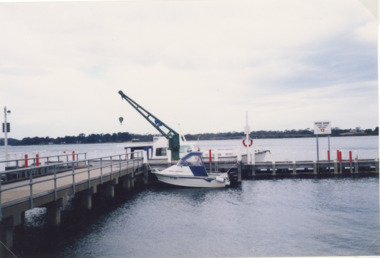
(191, 160)
(185, 149)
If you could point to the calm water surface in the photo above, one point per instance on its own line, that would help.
(290, 217)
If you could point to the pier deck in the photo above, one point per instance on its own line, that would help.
(54, 189)
(324, 168)
(63, 180)
(312, 169)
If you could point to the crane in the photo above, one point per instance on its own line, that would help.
(166, 131)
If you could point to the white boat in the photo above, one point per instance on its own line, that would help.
(223, 154)
(190, 171)
(158, 150)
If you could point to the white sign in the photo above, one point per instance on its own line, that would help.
(322, 127)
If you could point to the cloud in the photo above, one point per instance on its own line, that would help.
(201, 64)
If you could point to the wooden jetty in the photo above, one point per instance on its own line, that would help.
(311, 169)
(286, 169)
(54, 189)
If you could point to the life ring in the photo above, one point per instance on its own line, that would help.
(250, 142)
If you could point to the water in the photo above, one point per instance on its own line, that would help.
(291, 217)
(288, 217)
(287, 149)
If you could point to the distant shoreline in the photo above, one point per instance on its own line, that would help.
(121, 137)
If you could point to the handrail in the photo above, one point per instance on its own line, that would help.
(45, 159)
(119, 161)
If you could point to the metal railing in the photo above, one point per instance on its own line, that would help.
(13, 164)
(94, 168)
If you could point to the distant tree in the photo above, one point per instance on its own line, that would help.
(70, 139)
(125, 136)
(11, 141)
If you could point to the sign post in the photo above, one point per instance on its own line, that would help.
(247, 130)
(6, 130)
(322, 128)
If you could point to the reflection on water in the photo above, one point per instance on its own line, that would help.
(290, 217)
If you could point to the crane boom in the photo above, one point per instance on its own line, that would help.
(166, 131)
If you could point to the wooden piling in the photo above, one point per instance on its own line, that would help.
(53, 214)
(294, 169)
(109, 191)
(315, 168)
(86, 200)
(239, 167)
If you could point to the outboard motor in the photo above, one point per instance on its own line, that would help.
(233, 175)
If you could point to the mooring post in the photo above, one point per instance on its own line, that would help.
(350, 156)
(253, 173)
(356, 165)
(239, 171)
(216, 160)
(340, 161)
(145, 168)
(335, 167)
(26, 160)
(315, 165)
(146, 174)
(336, 160)
(132, 179)
(239, 165)
(210, 159)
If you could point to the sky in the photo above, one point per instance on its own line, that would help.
(199, 66)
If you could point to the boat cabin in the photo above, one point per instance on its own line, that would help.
(194, 161)
(158, 149)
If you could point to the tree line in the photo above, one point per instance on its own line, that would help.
(81, 138)
(281, 134)
(126, 137)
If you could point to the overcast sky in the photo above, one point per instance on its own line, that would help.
(200, 64)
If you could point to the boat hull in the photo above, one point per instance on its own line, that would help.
(205, 182)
